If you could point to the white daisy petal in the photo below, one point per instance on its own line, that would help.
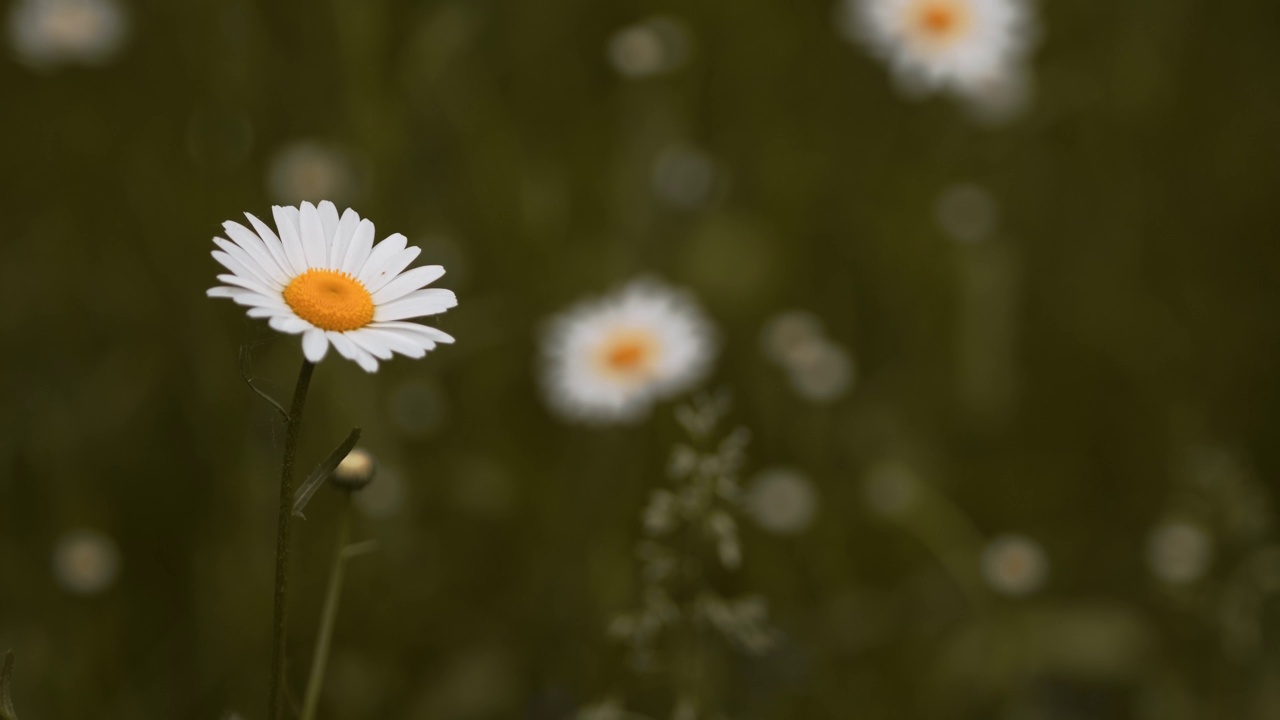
(237, 268)
(314, 344)
(370, 344)
(289, 238)
(398, 342)
(407, 283)
(253, 245)
(251, 284)
(290, 325)
(435, 334)
(342, 238)
(273, 245)
(382, 256)
(256, 300)
(314, 243)
(351, 351)
(394, 267)
(416, 304)
(361, 245)
(248, 263)
(329, 219)
(224, 292)
(265, 312)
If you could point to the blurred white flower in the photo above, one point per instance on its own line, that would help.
(1179, 552)
(788, 334)
(86, 562)
(49, 32)
(652, 47)
(611, 359)
(1014, 565)
(356, 470)
(821, 372)
(1003, 99)
(953, 44)
(311, 171)
(684, 176)
(322, 278)
(782, 501)
(889, 488)
(967, 213)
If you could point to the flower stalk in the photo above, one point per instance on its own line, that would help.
(283, 532)
(330, 612)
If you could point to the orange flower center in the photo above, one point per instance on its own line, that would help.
(330, 300)
(940, 19)
(629, 354)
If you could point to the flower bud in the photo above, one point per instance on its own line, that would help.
(355, 471)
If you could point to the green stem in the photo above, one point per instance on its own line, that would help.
(330, 612)
(283, 528)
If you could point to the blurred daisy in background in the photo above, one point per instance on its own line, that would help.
(1014, 565)
(960, 45)
(655, 46)
(1179, 552)
(819, 370)
(51, 32)
(312, 171)
(782, 501)
(610, 360)
(86, 562)
(324, 279)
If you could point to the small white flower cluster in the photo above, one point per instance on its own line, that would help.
(976, 49)
(686, 527)
(820, 370)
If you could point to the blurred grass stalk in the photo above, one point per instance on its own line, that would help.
(330, 612)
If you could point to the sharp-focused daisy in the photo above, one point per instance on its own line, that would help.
(963, 45)
(323, 278)
(611, 359)
(47, 32)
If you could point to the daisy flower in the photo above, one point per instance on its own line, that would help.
(612, 358)
(323, 278)
(964, 45)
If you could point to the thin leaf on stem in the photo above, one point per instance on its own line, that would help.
(322, 473)
(247, 374)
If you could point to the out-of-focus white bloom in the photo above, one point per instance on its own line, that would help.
(959, 45)
(49, 32)
(611, 359)
(1002, 99)
(890, 488)
(86, 562)
(356, 470)
(1179, 552)
(652, 47)
(782, 501)
(323, 278)
(967, 213)
(821, 372)
(788, 334)
(1014, 565)
(684, 176)
(311, 171)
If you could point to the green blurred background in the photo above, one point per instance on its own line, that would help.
(1101, 360)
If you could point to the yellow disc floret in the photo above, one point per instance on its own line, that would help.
(940, 21)
(330, 300)
(628, 354)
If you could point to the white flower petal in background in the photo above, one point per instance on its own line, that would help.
(821, 372)
(311, 171)
(313, 276)
(967, 213)
(1179, 552)
(51, 32)
(782, 501)
(610, 360)
(654, 46)
(1014, 565)
(959, 45)
(787, 334)
(86, 562)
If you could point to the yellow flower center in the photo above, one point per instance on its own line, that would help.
(940, 20)
(629, 353)
(330, 300)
